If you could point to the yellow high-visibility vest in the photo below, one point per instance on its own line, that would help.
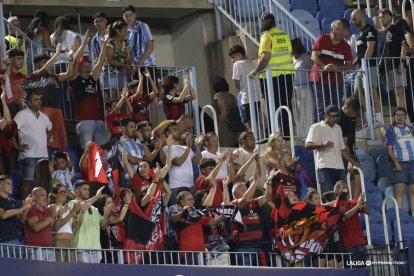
(13, 42)
(281, 54)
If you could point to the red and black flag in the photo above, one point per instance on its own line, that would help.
(155, 212)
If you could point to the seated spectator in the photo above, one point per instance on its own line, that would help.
(189, 227)
(303, 103)
(62, 228)
(138, 100)
(88, 223)
(87, 97)
(241, 69)
(275, 148)
(174, 98)
(39, 227)
(32, 134)
(211, 146)
(13, 77)
(229, 118)
(181, 172)
(400, 146)
(114, 115)
(118, 57)
(63, 171)
(10, 213)
(185, 124)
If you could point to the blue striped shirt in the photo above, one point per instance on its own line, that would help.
(402, 141)
(138, 36)
(133, 148)
(96, 44)
(65, 177)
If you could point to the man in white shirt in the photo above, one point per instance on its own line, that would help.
(241, 69)
(181, 172)
(33, 129)
(211, 151)
(325, 139)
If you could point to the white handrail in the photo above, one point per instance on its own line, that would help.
(369, 8)
(412, 9)
(384, 220)
(292, 139)
(361, 175)
(203, 128)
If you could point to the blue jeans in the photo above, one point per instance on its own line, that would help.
(328, 177)
(28, 167)
(89, 130)
(326, 95)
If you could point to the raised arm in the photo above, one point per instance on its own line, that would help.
(101, 59)
(242, 202)
(6, 112)
(127, 165)
(226, 195)
(140, 88)
(192, 95)
(167, 193)
(163, 172)
(50, 62)
(120, 217)
(210, 197)
(79, 53)
(154, 93)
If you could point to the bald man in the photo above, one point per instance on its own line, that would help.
(367, 48)
(38, 227)
(330, 54)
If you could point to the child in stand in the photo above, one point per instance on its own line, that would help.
(62, 170)
(138, 100)
(115, 116)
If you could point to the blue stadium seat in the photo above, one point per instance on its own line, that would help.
(389, 191)
(360, 152)
(306, 160)
(249, 9)
(75, 154)
(307, 20)
(368, 167)
(16, 178)
(307, 43)
(391, 215)
(308, 5)
(383, 183)
(377, 230)
(407, 228)
(373, 212)
(376, 151)
(322, 14)
(384, 167)
(347, 14)
(285, 4)
(370, 187)
(333, 5)
(374, 200)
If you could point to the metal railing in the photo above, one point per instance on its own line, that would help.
(397, 217)
(214, 115)
(246, 15)
(163, 257)
(278, 129)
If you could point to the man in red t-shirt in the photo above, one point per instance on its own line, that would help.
(351, 235)
(11, 77)
(39, 226)
(210, 168)
(330, 54)
(114, 117)
(283, 177)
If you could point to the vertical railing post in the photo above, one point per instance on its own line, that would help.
(270, 99)
(397, 217)
(219, 32)
(292, 138)
(252, 103)
(368, 103)
(203, 128)
(194, 103)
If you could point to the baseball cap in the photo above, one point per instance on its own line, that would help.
(332, 110)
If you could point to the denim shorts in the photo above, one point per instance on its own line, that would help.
(28, 167)
(406, 175)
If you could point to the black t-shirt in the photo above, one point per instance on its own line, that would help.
(49, 87)
(367, 34)
(393, 40)
(347, 125)
(9, 228)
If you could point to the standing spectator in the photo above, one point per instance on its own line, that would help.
(174, 98)
(39, 226)
(14, 39)
(118, 57)
(50, 86)
(241, 68)
(211, 151)
(347, 121)
(185, 123)
(247, 144)
(100, 22)
(181, 172)
(10, 213)
(7, 133)
(86, 93)
(134, 149)
(330, 54)
(67, 39)
(400, 146)
(64, 171)
(229, 117)
(393, 52)
(351, 235)
(303, 103)
(88, 223)
(33, 128)
(114, 115)
(38, 31)
(138, 100)
(325, 139)
(140, 39)
(275, 53)
(367, 48)
(12, 76)
(152, 145)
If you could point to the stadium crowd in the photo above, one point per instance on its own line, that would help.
(159, 187)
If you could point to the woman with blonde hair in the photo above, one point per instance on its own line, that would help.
(275, 148)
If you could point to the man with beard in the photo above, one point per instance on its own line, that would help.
(153, 146)
(275, 53)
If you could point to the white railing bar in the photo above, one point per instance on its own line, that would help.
(292, 138)
(403, 9)
(397, 216)
(214, 113)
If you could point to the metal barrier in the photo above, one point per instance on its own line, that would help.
(397, 216)
(292, 138)
(214, 114)
(361, 174)
(162, 257)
